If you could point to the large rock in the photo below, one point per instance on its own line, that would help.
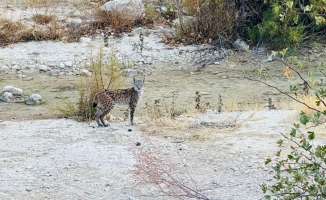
(13, 90)
(7, 97)
(34, 99)
(131, 9)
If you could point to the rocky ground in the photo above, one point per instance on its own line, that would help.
(220, 155)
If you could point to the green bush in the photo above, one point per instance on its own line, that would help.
(299, 165)
(287, 23)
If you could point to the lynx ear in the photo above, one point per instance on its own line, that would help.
(133, 78)
(144, 80)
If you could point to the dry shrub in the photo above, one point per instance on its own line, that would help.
(150, 170)
(107, 73)
(43, 19)
(13, 32)
(115, 20)
(74, 31)
(210, 20)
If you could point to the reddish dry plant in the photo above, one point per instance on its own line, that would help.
(115, 20)
(152, 171)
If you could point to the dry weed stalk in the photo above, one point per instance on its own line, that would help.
(270, 104)
(220, 103)
(202, 109)
(151, 170)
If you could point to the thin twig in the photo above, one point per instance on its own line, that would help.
(304, 80)
(301, 102)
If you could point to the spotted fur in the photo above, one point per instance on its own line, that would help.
(106, 99)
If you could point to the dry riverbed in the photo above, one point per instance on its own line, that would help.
(221, 155)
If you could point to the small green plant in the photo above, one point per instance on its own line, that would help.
(151, 13)
(253, 34)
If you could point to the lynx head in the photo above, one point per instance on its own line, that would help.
(139, 84)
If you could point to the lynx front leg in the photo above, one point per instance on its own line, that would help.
(132, 111)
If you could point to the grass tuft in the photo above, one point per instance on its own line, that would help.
(43, 19)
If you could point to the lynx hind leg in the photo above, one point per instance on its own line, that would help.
(97, 116)
(107, 107)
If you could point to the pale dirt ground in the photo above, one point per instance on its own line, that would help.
(43, 157)
(64, 159)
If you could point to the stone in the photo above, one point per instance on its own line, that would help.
(61, 65)
(14, 63)
(68, 64)
(16, 67)
(85, 39)
(34, 99)
(187, 20)
(4, 69)
(13, 90)
(85, 72)
(131, 9)
(148, 60)
(241, 45)
(164, 9)
(7, 97)
(28, 78)
(42, 68)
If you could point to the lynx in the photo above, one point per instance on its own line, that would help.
(106, 99)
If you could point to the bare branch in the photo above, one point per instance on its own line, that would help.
(301, 102)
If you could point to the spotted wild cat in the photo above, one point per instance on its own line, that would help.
(106, 99)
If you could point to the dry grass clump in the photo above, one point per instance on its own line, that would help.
(118, 22)
(206, 20)
(310, 100)
(64, 108)
(43, 19)
(11, 31)
(14, 31)
(107, 74)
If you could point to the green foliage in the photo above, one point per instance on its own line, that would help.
(286, 22)
(299, 165)
(253, 34)
(300, 174)
(151, 13)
